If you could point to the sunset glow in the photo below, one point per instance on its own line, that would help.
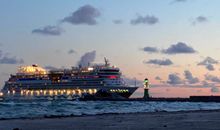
(175, 44)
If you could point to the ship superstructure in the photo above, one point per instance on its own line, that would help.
(34, 82)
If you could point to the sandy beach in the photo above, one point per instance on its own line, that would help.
(194, 120)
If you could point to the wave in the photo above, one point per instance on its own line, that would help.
(11, 110)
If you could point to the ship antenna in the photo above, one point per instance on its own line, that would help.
(106, 61)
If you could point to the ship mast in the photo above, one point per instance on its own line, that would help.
(106, 62)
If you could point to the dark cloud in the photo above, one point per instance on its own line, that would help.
(211, 85)
(87, 58)
(189, 77)
(71, 51)
(174, 79)
(208, 62)
(5, 58)
(117, 21)
(210, 67)
(158, 78)
(150, 20)
(207, 84)
(212, 78)
(48, 30)
(165, 62)
(214, 89)
(11, 60)
(150, 49)
(50, 67)
(86, 14)
(179, 48)
(200, 19)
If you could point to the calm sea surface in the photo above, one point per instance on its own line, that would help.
(11, 109)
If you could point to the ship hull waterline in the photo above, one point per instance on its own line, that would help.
(68, 93)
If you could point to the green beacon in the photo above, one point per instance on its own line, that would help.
(146, 89)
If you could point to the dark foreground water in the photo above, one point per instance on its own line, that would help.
(10, 110)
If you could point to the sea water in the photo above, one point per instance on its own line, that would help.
(11, 110)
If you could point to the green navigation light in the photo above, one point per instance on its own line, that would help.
(145, 80)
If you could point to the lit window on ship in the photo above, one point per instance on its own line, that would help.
(31, 70)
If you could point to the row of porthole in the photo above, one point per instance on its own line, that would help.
(53, 92)
(119, 90)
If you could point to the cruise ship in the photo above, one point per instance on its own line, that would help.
(95, 81)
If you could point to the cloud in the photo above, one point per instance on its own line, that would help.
(158, 78)
(87, 58)
(179, 48)
(174, 79)
(150, 20)
(189, 77)
(11, 60)
(210, 67)
(165, 62)
(208, 62)
(200, 19)
(86, 14)
(117, 21)
(48, 30)
(132, 81)
(150, 49)
(212, 78)
(207, 84)
(5, 58)
(50, 67)
(71, 51)
(214, 89)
